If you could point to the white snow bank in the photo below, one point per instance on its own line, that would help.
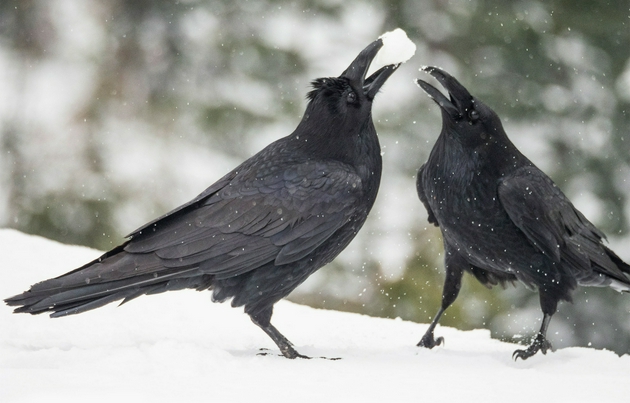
(179, 346)
(397, 48)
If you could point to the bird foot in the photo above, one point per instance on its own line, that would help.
(266, 351)
(291, 353)
(540, 343)
(429, 342)
(288, 352)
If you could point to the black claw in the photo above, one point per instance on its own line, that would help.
(288, 351)
(540, 343)
(293, 354)
(522, 354)
(429, 342)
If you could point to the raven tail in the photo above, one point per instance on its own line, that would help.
(117, 275)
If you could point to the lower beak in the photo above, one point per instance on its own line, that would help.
(377, 79)
(438, 97)
(459, 100)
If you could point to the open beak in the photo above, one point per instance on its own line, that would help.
(459, 101)
(356, 72)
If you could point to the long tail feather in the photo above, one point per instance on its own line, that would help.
(115, 276)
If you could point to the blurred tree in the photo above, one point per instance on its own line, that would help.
(113, 113)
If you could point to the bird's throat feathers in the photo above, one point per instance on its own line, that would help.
(488, 151)
(338, 141)
(452, 164)
(460, 166)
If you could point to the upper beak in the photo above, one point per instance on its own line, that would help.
(356, 72)
(459, 101)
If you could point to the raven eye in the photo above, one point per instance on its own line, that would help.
(352, 97)
(473, 115)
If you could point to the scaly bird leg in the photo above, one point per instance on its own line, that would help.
(262, 320)
(452, 284)
(428, 339)
(285, 346)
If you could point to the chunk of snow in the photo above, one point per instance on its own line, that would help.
(397, 48)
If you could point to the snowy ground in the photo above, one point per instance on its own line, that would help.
(180, 347)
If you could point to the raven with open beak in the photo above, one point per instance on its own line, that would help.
(262, 229)
(502, 218)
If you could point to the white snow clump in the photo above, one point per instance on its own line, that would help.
(397, 48)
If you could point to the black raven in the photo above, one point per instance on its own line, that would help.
(502, 219)
(259, 231)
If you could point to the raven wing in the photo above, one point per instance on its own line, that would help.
(255, 218)
(552, 224)
(423, 196)
(260, 213)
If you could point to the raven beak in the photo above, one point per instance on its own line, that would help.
(374, 82)
(356, 72)
(459, 102)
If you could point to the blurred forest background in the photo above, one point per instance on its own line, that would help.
(115, 112)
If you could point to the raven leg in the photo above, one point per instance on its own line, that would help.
(540, 343)
(452, 283)
(263, 321)
(428, 339)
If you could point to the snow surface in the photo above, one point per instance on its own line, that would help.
(397, 48)
(179, 346)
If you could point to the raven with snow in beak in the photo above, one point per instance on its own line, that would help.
(262, 229)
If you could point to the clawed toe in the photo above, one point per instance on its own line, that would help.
(522, 354)
(428, 341)
(540, 343)
(291, 353)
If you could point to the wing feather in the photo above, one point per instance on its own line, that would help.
(250, 222)
(553, 225)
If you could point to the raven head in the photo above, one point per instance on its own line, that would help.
(462, 114)
(348, 98)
